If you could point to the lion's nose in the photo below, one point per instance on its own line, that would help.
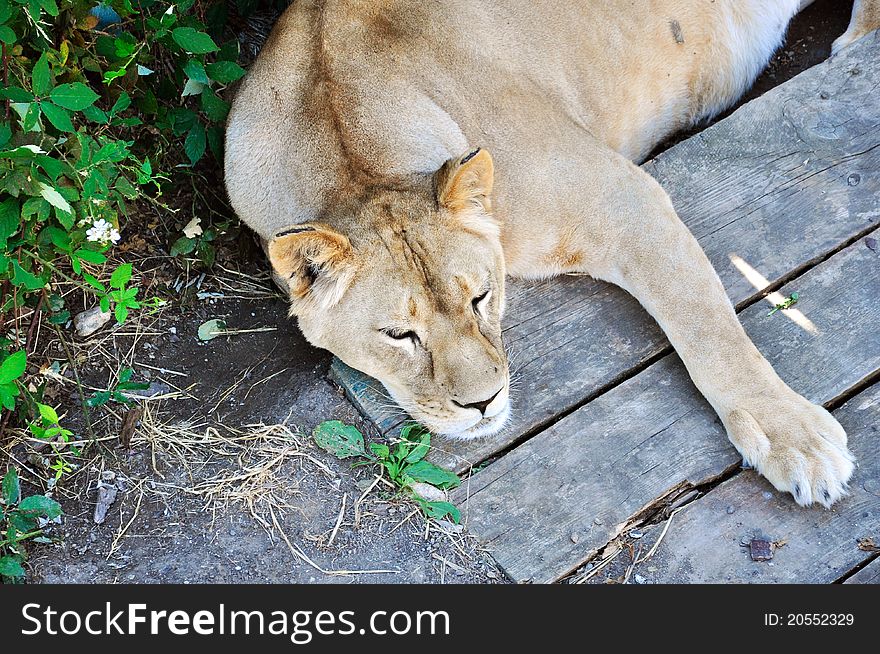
(479, 406)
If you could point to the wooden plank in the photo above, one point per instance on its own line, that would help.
(870, 574)
(704, 542)
(784, 180)
(550, 503)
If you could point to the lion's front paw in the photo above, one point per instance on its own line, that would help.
(798, 446)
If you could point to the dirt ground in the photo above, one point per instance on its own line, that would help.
(220, 481)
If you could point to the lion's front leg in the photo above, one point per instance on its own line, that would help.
(865, 19)
(649, 252)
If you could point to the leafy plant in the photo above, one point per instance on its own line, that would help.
(404, 461)
(789, 302)
(20, 521)
(99, 103)
(114, 393)
(12, 367)
(48, 427)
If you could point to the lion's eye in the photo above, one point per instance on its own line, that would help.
(401, 335)
(479, 303)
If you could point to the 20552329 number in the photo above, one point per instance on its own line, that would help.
(820, 619)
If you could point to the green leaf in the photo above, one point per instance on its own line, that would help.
(120, 276)
(91, 281)
(21, 277)
(47, 413)
(211, 329)
(53, 197)
(431, 474)
(16, 94)
(99, 398)
(192, 87)
(193, 40)
(380, 450)
(439, 510)
(122, 103)
(96, 115)
(10, 566)
(75, 96)
(31, 118)
(225, 71)
(215, 108)
(194, 146)
(121, 313)
(59, 117)
(7, 35)
(9, 216)
(49, 6)
(10, 487)
(41, 505)
(341, 440)
(8, 393)
(420, 435)
(41, 79)
(91, 256)
(195, 70)
(183, 245)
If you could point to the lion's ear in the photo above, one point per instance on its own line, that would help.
(316, 261)
(466, 181)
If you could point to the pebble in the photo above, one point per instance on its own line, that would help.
(635, 533)
(91, 320)
(575, 537)
(428, 492)
(640, 579)
(598, 520)
(730, 510)
(767, 495)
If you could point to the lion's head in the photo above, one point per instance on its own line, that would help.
(407, 285)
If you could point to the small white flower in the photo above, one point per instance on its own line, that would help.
(102, 231)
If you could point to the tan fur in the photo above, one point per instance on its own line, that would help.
(360, 119)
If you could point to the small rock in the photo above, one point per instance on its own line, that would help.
(635, 533)
(730, 510)
(107, 491)
(91, 320)
(640, 579)
(760, 549)
(450, 526)
(767, 495)
(428, 492)
(575, 537)
(597, 520)
(871, 243)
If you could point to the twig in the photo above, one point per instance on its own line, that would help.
(338, 520)
(79, 386)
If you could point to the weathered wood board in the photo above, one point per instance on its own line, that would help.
(870, 574)
(786, 179)
(550, 503)
(704, 542)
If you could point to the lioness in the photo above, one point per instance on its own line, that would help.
(358, 148)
